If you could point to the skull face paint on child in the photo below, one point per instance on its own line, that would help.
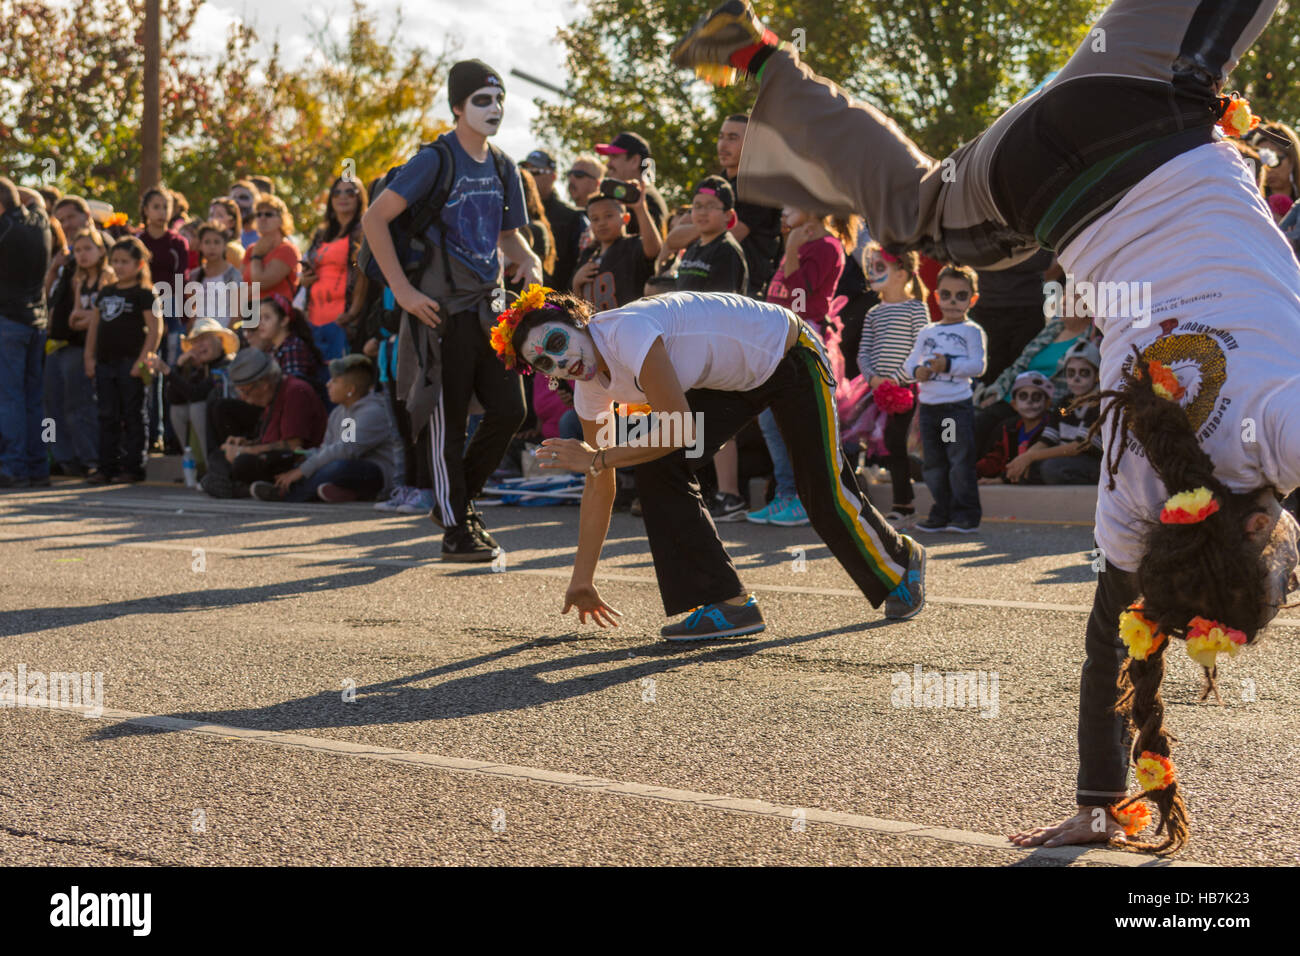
(485, 109)
(561, 351)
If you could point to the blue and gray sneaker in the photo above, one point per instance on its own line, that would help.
(763, 514)
(906, 600)
(717, 620)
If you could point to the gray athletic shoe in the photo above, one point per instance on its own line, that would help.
(730, 27)
(717, 620)
(906, 600)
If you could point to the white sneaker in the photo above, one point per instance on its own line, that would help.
(397, 498)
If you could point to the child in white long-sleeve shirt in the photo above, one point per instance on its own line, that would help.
(947, 356)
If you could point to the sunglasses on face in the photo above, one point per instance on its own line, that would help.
(1030, 398)
(947, 295)
(580, 174)
(555, 343)
(267, 214)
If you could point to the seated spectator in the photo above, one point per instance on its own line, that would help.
(1015, 436)
(264, 431)
(359, 455)
(1045, 355)
(272, 261)
(1063, 455)
(284, 334)
(202, 368)
(214, 268)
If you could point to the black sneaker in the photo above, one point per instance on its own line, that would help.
(963, 527)
(42, 482)
(460, 543)
(475, 522)
(717, 620)
(266, 491)
(132, 477)
(930, 526)
(9, 481)
(97, 477)
(906, 600)
(222, 486)
(727, 507)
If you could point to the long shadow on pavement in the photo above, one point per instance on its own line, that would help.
(514, 688)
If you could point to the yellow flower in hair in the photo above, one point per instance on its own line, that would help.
(1207, 639)
(1154, 772)
(1139, 634)
(1189, 507)
(503, 333)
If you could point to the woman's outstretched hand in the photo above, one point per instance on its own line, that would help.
(1089, 825)
(587, 600)
(564, 454)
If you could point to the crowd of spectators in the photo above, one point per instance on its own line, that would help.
(289, 394)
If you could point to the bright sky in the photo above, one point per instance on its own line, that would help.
(504, 33)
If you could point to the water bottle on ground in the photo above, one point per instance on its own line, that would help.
(190, 469)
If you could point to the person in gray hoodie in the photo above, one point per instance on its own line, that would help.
(359, 455)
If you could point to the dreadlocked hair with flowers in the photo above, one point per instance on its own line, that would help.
(535, 305)
(1197, 569)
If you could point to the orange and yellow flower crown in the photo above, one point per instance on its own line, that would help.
(503, 333)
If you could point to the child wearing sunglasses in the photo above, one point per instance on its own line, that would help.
(947, 356)
(1030, 397)
(1064, 453)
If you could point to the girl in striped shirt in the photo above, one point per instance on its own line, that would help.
(888, 333)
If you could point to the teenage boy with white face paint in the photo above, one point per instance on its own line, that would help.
(476, 233)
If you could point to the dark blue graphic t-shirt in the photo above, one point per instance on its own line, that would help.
(472, 217)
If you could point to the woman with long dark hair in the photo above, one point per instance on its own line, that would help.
(336, 289)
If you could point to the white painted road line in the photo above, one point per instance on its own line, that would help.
(573, 781)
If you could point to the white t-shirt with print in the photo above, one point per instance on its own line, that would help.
(1224, 316)
(714, 340)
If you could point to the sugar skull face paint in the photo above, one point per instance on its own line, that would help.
(561, 351)
(485, 109)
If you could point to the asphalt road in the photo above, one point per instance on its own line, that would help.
(309, 684)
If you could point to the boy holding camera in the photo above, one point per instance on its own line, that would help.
(614, 269)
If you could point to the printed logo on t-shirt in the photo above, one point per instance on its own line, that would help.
(474, 210)
(1201, 366)
(110, 307)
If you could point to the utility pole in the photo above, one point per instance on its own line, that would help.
(151, 121)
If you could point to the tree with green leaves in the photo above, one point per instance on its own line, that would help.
(362, 104)
(943, 69)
